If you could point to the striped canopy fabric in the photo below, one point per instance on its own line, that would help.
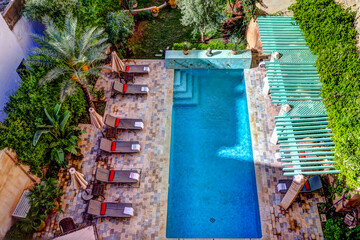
(305, 140)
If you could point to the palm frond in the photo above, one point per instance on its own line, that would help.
(54, 74)
(67, 88)
(85, 39)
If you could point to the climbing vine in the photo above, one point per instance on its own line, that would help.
(330, 33)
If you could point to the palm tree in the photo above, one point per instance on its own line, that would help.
(71, 55)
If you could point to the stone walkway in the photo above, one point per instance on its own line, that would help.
(301, 221)
(149, 200)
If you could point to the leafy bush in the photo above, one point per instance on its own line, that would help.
(89, 12)
(330, 33)
(216, 45)
(120, 25)
(143, 15)
(25, 111)
(56, 10)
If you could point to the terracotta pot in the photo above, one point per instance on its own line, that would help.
(186, 52)
(173, 6)
(102, 99)
(234, 52)
(41, 226)
(155, 14)
(135, 5)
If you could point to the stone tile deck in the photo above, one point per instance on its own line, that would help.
(301, 221)
(149, 200)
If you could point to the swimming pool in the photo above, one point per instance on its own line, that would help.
(212, 185)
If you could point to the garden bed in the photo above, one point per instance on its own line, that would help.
(156, 34)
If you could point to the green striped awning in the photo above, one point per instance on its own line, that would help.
(305, 140)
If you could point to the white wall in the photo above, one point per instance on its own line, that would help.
(14, 46)
(11, 55)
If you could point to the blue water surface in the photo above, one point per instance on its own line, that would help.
(212, 185)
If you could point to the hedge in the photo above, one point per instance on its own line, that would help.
(330, 33)
(25, 110)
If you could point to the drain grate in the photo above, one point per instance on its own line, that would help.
(212, 220)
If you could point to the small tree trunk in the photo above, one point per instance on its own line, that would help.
(202, 36)
(87, 95)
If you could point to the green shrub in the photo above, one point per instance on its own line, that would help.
(330, 33)
(25, 111)
(120, 25)
(57, 10)
(143, 15)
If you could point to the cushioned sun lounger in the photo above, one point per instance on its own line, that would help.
(293, 191)
(124, 123)
(116, 176)
(130, 88)
(137, 69)
(119, 146)
(312, 184)
(110, 209)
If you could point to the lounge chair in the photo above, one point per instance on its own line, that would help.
(116, 176)
(118, 65)
(136, 69)
(312, 184)
(67, 225)
(124, 123)
(119, 146)
(293, 191)
(129, 88)
(110, 209)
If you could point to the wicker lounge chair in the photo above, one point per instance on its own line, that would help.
(312, 184)
(67, 225)
(124, 123)
(110, 209)
(293, 191)
(116, 176)
(129, 88)
(119, 146)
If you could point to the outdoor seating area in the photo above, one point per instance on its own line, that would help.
(174, 119)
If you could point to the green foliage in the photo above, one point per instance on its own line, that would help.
(205, 16)
(237, 42)
(91, 12)
(335, 230)
(120, 25)
(63, 138)
(144, 15)
(215, 45)
(16, 233)
(56, 10)
(42, 197)
(155, 35)
(25, 111)
(249, 9)
(330, 33)
(71, 55)
(42, 202)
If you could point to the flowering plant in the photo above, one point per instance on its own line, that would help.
(155, 10)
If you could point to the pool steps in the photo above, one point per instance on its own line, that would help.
(186, 89)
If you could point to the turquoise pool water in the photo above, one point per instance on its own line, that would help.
(212, 185)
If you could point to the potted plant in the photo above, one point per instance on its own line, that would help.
(135, 3)
(172, 3)
(155, 11)
(101, 94)
(32, 223)
(44, 198)
(236, 42)
(186, 47)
